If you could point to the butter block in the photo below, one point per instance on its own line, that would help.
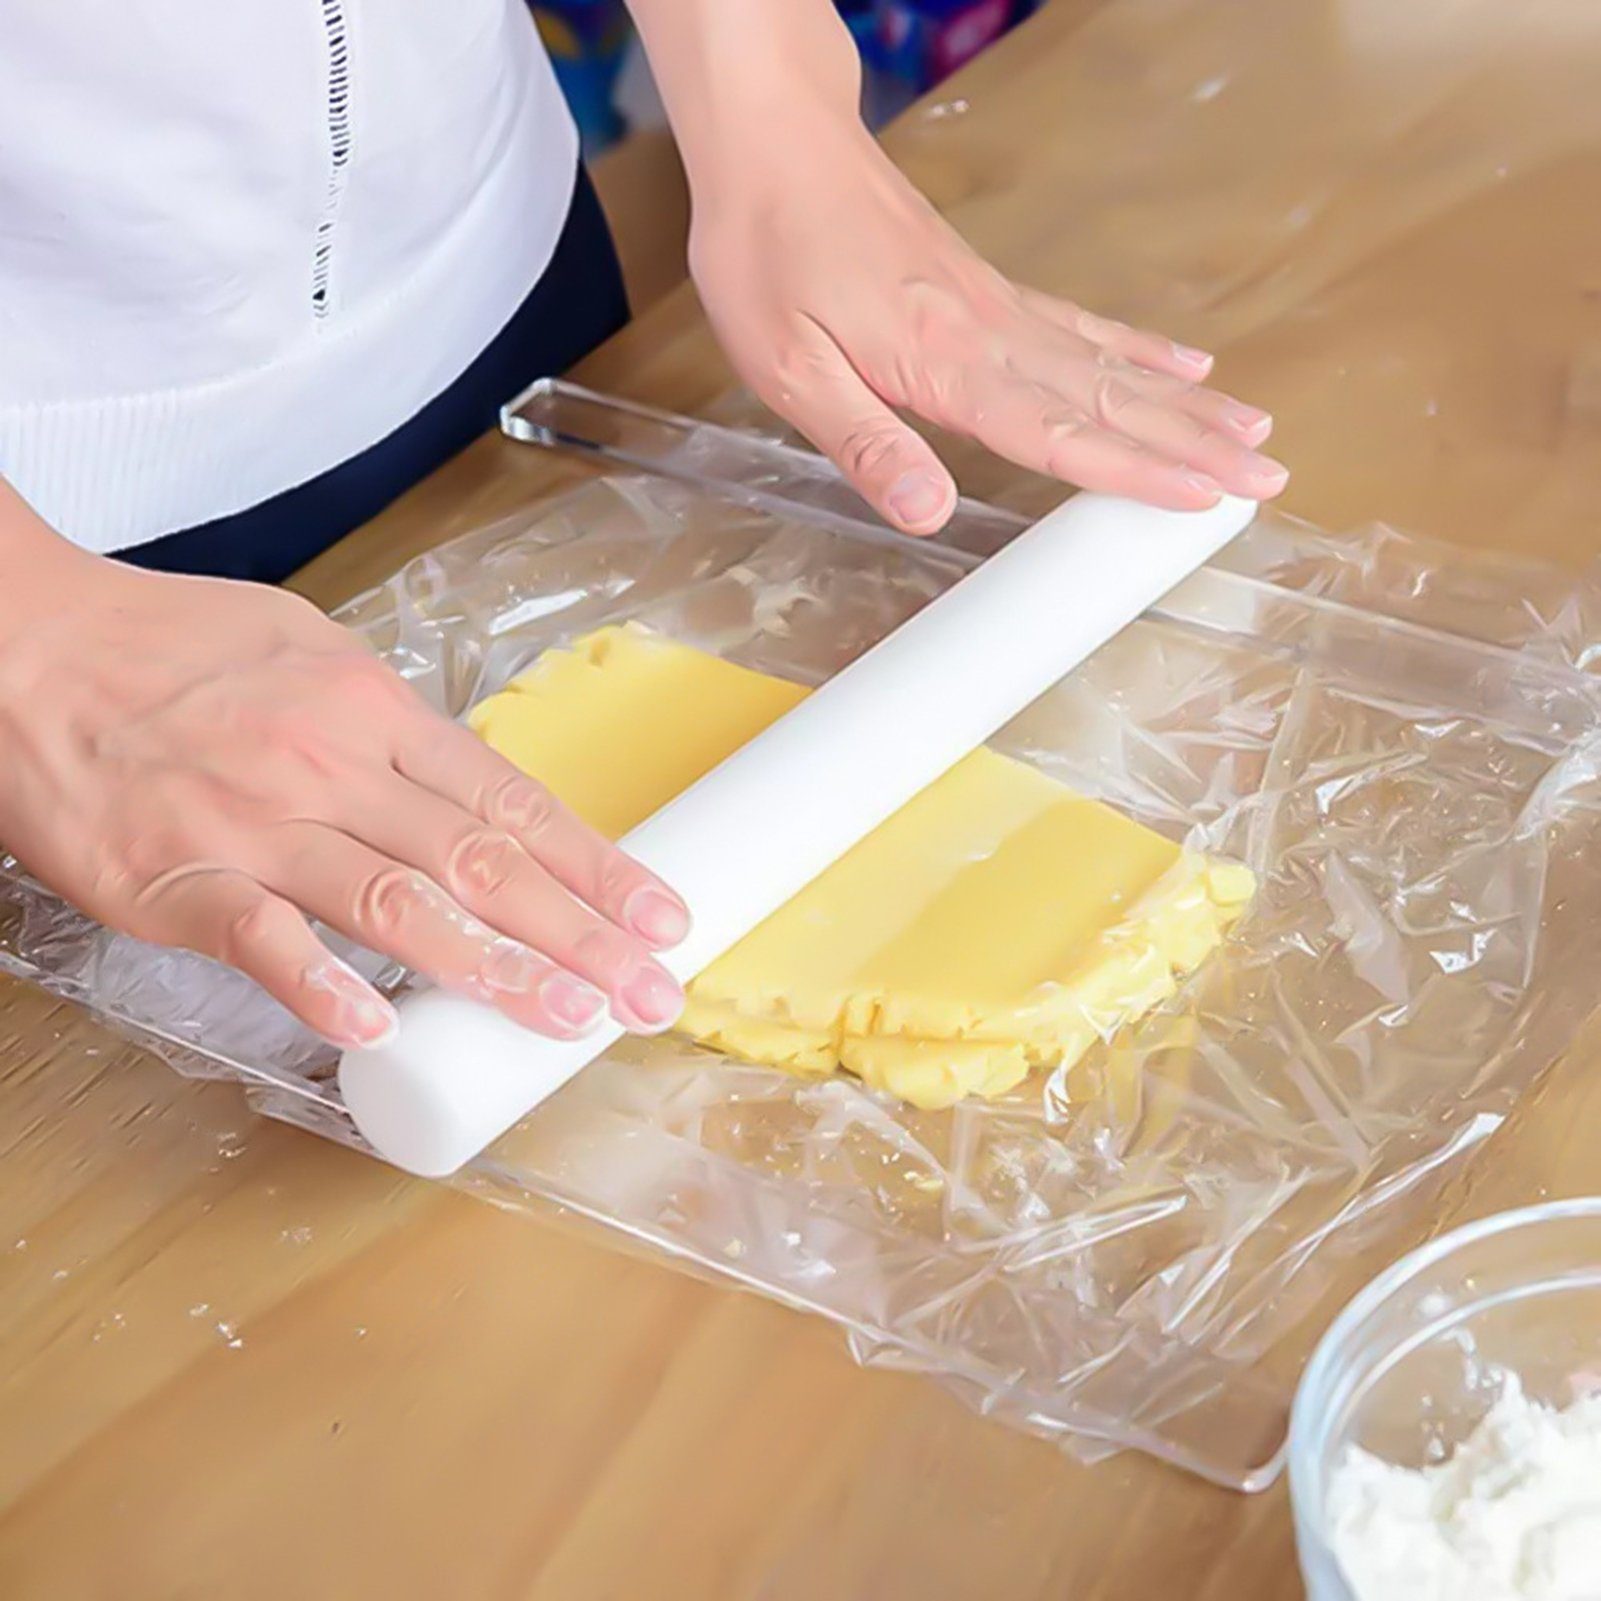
(996, 924)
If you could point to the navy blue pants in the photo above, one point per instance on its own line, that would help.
(576, 304)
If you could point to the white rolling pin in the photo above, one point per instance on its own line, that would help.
(759, 827)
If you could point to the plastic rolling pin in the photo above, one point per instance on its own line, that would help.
(736, 845)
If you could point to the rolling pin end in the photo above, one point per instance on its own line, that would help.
(453, 1079)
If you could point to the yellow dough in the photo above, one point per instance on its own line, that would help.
(998, 922)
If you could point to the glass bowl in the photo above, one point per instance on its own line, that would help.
(1412, 1365)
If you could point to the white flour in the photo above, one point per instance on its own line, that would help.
(1514, 1515)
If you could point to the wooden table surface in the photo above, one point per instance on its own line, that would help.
(238, 1362)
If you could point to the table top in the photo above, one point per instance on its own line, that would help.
(237, 1361)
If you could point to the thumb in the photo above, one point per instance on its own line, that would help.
(890, 465)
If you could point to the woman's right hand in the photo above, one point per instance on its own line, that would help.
(207, 764)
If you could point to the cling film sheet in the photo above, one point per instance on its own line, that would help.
(1402, 741)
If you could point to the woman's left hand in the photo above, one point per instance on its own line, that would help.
(842, 297)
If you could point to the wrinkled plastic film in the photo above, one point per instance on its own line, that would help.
(1144, 1269)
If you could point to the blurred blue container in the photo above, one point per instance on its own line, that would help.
(586, 40)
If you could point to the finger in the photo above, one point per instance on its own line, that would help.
(390, 906)
(890, 465)
(453, 763)
(1122, 405)
(487, 873)
(1137, 345)
(1155, 365)
(234, 919)
(1211, 407)
(1096, 379)
(394, 909)
(1148, 410)
(1039, 430)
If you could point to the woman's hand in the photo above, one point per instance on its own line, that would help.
(206, 764)
(843, 297)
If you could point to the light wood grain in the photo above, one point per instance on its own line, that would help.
(235, 1362)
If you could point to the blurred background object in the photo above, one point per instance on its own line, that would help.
(911, 46)
(587, 40)
(908, 47)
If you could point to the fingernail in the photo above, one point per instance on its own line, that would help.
(365, 1019)
(511, 967)
(653, 998)
(1191, 357)
(1202, 484)
(571, 1000)
(373, 1023)
(918, 497)
(655, 915)
(377, 1023)
(1267, 475)
(1249, 421)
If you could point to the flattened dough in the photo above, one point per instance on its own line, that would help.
(997, 923)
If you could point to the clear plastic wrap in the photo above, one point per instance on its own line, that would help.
(1403, 741)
